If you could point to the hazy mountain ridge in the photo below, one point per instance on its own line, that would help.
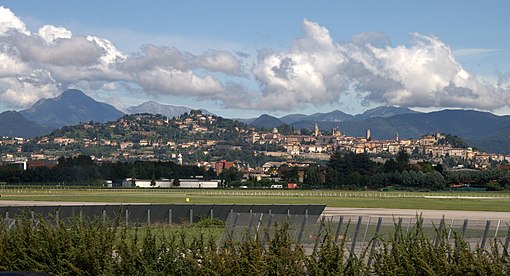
(13, 124)
(489, 132)
(482, 129)
(329, 119)
(485, 130)
(383, 111)
(266, 121)
(163, 109)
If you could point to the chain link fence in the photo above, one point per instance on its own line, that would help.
(357, 232)
(150, 214)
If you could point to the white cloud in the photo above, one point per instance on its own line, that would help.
(176, 82)
(77, 51)
(50, 33)
(11, 66)
(473, 52)
(219, 61)
(315, 70)
(95, 63)
(111, 54)
(24, 91)
(308, 73)
(10, 22)
(426, 74)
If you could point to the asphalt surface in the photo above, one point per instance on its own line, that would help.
(407, 213)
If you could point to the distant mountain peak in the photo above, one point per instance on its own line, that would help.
(384, 111)
(72, 92)
(167, 110)
(70, 108)
(266, 121)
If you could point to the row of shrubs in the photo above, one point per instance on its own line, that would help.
(96, 248)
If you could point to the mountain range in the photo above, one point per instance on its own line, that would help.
(70, 108)
(489, 132)
(327, 120)
(485, 130)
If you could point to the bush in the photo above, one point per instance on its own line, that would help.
(78, 247)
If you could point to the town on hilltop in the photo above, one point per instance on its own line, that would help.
(207, 140)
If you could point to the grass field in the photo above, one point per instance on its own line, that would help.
(485, 201)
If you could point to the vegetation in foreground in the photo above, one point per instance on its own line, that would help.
(96, 248)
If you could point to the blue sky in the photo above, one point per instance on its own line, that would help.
(242, 59)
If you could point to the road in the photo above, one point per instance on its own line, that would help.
(406, 213)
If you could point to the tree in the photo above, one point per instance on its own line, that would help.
(288, 174)
(351, 168)
(402, 160)
(312, 176)
(230, 175)
(209, 174)
(331, 178)
(153, 181)
(133, 174)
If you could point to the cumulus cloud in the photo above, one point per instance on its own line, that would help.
(50, 33)
(314, 70)
(309, 73)
(33, 65)
(180, 83)
(10, 22)
(24, 91)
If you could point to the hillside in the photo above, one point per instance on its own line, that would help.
(330, 119)
(266, 121)
(13, 124)
(483, 129)
(383, 111)
(197, 136)
(333, 116)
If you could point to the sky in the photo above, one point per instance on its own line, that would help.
(240, 59)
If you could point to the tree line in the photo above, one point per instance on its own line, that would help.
(356, 171)
(344, 170)
(82, 170)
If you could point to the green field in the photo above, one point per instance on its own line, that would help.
(485, 201)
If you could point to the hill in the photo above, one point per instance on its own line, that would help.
(163, 109)
(266, 121)
(484, 129)
(292, 118)
(13, 124)
(383, 111)
(333, 116)
(70, 108)
(331, 119)
(498, 142)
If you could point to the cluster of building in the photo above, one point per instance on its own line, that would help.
(151, 145)
(319, 146)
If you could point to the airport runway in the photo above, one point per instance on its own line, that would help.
(407, 213)
(51, 203)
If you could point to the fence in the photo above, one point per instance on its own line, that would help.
(358, 231)
(147, 214)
